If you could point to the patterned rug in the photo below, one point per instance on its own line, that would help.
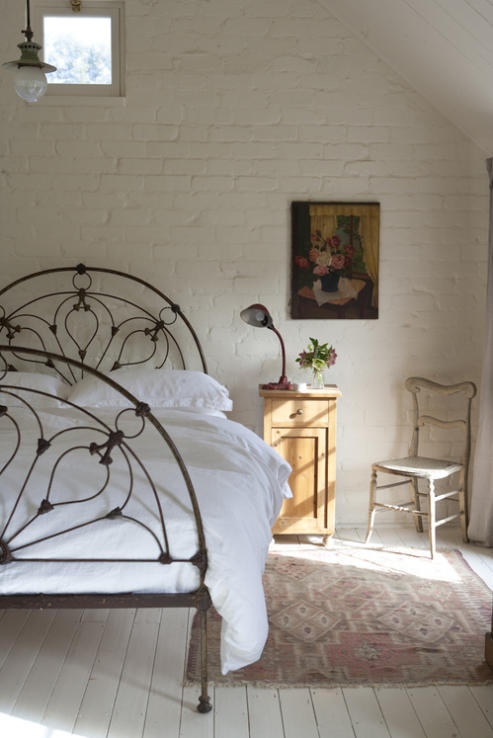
(364, 617)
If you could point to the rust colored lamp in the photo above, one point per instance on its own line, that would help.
(258, 316)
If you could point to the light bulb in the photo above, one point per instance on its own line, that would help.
(30, 83)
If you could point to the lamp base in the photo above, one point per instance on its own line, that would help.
(287, 385)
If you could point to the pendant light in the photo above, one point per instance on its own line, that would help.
(30, 80)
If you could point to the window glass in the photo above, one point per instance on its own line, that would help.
(80, 49)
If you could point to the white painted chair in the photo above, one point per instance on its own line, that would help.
(422, 472)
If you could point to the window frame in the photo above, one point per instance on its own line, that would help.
(107, 8)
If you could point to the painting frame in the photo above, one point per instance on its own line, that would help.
(335, 260)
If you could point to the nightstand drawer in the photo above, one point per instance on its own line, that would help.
(300, 412)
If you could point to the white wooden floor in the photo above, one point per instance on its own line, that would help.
(119, 674)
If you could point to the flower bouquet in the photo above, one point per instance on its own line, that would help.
(328, 259)
(317, 357)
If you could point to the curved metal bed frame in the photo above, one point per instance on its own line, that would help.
(75, 330)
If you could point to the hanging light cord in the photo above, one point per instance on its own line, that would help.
(28, 32)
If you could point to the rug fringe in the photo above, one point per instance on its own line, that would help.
(340, 685)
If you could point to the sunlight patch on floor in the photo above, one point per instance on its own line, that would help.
(14, 727)
(405, 561)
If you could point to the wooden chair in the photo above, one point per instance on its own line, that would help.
(417, 467)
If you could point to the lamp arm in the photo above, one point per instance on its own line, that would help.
(282, 379)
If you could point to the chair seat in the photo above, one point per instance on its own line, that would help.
(419, 466)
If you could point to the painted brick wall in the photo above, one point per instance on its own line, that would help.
(232, 110)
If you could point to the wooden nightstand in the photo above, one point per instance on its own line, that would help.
(301, 426)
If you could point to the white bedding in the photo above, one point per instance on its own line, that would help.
(240, 484)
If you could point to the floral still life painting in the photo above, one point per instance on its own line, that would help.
(335, 259)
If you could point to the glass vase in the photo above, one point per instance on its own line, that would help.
(317, 380)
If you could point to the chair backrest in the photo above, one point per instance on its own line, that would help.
(442, 406)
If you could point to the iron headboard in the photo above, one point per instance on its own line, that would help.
(82, 313)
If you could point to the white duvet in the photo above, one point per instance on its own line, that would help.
(240, 484)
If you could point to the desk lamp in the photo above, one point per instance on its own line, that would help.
(258, 316)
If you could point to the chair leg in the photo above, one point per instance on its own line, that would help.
(463, 502)
(432, 517)
(371, 507)
(418, 519)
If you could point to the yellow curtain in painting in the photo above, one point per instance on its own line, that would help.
(323, 217)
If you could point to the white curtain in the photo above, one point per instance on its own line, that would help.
(481, 518)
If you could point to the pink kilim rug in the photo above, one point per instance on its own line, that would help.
(363, 616)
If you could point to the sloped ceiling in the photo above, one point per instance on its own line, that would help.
(443, 48)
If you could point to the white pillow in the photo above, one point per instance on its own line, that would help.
(159, 388)
(35, 380)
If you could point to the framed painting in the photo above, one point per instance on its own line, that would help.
(335, 259)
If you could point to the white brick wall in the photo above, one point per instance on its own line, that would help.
(233, 110)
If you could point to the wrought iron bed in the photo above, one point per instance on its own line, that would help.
(66, 516)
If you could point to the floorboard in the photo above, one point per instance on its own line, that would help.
(131, 701)
(398, 712)
(21, 657)
(165, 699)
(97, 703)
(64, 703)
(42, 678)
(463, 710)
(264, 713)
(332, 714)
(366, 715)
(433, 713)
(231, 713)
(297, 713)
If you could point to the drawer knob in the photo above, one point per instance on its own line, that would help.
(298, 412)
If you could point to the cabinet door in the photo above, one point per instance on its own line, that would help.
(305, 449)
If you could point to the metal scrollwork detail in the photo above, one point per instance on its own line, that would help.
(142, 409)
(115, 438)
(45, 507)
(174, 309)
(5, 555)
(200, 561)
(153, 332)
(12, 330)
(82, 301)
(43, 445)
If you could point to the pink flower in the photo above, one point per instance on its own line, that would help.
(313, 254)
(320, 270)
(301, 262)
(331, 357)
(337, 261)
(302, 359)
